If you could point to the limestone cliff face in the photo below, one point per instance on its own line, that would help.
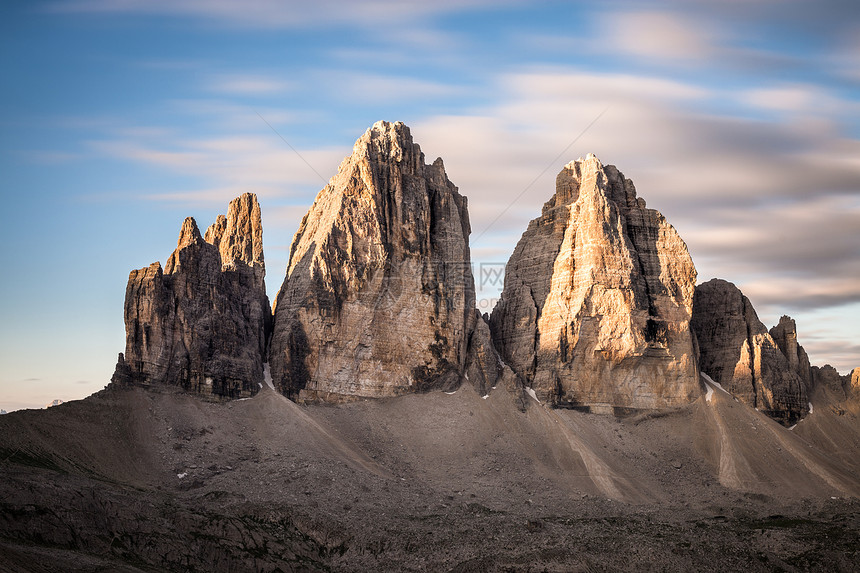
(785, 336)
(828, 377)
(201, 323)
(737, 351)
(597, 299)
(379, 297)
(485, 369)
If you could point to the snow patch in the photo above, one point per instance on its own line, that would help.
(466, 375)
(451, 393)
(793, 427)
(710, 381)
(531, 392)
(485, 396)
(709, 387)
(267, 376)
(810, 407)
(182, 475)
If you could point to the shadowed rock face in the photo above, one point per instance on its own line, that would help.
(785, 336)
(379, 297)
(597, 298)
(737, 351)
(828, 377)
(201, 323)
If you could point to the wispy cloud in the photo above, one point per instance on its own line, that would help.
(773, 205)
(249, 84)
(281, 14)
(382, 89)
(659, 34)
(231, 165)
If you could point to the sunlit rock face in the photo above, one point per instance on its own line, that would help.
(201, 323)
(379, 297)
(737, 351)
(598, 297)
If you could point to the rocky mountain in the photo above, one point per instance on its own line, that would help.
(379, 298)
(599, 314)
(597, 299)
(736, 350)
(201, 323)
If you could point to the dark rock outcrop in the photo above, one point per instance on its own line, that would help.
(485, 369)
(379, 297)
(785, 336)
(201, 323)
(737, 351)
(828, 377)
(597, 299)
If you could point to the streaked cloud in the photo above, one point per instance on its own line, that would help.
(773, 205)
(382, 89)
(658, 34)
(281, 14)
(234, 165)
(249, 85)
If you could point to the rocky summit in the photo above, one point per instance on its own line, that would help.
(785, 336)
(597, 299)
(379, 298)
(201, 323)
(737, 352)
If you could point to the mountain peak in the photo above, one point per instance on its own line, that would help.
(597, 298)
(379, 297)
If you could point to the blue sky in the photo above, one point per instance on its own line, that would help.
(740, 121)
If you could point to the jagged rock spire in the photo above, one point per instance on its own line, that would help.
(737, 351)
(597, 298)
(379, 297)
(202, 322)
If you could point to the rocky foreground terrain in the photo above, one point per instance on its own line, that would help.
(159, 480)
(610, 415)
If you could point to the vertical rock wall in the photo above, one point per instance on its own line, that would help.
(379, 297)
(597, 299)
(737, 351)
(201, 323)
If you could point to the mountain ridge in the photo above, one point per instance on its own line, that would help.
(460, 457)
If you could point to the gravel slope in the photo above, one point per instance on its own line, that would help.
(145, 480)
